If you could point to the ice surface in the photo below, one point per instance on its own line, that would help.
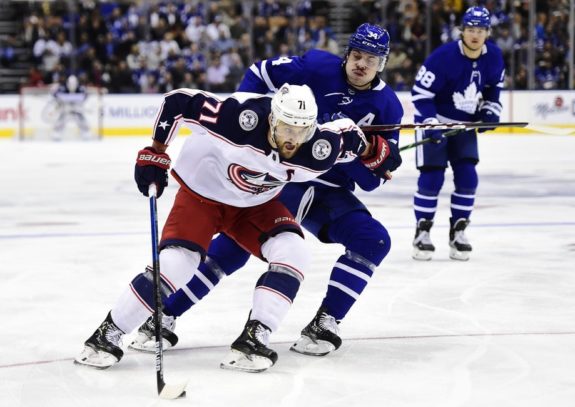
(498, 330)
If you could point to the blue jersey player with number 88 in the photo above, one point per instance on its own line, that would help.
(459, 81)
(343, 87)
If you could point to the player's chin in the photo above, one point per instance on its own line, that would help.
(289, 150)
(359, 81)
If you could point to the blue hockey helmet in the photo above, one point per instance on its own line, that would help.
(476, 17)
(372, 39)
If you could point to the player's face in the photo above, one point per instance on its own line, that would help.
(288, 139)
(361, 68)
(474, 37)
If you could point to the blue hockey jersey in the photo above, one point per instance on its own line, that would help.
(452, 87)
(324, 74)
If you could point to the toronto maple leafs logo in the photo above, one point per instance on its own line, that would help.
(248, 120)
(469, 100)
(252, 181)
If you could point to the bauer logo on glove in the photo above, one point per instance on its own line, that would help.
(151, 168)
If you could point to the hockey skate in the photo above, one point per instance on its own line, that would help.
(249, 352)
(458, 243)
(319, 337)
(145, 340)
(422, 247)
(102, 349)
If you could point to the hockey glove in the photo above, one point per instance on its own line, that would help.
(487, 116)
(384, 156)
(436, 136)
(331, 117)
(151, 168)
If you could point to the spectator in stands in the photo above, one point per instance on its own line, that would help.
(107, 31)
(7, 51)
(216, 75)
(547, 75)
(121, 79)
(196, 30)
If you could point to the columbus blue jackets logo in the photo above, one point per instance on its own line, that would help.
(248, 120)
(252, 181)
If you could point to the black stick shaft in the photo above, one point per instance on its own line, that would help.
(157, 292)
(441, 126)
(429, 140)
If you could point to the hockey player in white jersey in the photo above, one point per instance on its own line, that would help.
(242, 151)
(348, 86)
(70, 99)
(459, 81)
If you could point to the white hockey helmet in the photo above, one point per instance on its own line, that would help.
(72, 83)
(295, 105)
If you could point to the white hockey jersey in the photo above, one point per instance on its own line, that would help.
(228, 157)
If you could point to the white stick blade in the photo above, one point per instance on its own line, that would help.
(173, 391)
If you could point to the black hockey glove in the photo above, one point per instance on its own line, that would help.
(151, 168)
(384, 157)
(436, 136)
(487, 116)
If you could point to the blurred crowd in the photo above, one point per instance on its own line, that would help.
(151, 47)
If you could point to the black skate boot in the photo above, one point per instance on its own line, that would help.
(250, 352)
(145, 340)
(422, 247)
(319, 337)
(102, 349)
(458, 243)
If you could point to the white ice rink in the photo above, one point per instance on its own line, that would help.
(498, 330)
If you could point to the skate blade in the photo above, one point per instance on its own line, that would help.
(455, 254)
(236, 360)
(421, 255)
(95, 359)
(307, 346)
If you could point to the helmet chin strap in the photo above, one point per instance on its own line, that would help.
(273, 139)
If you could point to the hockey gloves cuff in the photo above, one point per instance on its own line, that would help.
(384, 156)
(151, 168)
(487, 116)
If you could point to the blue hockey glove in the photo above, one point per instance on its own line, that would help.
(436, 136)
(384, 156)
(151, 168)
(327, 117)
(487, 116)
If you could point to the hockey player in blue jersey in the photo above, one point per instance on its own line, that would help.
(459, 81)
(342, 87)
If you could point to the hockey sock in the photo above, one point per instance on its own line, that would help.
(429, 184)
(463, 198)
(348, 278)
(274, 294)
(367, 243)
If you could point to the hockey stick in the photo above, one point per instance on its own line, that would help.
(429, 140)
(165, 391)
(441, 126)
